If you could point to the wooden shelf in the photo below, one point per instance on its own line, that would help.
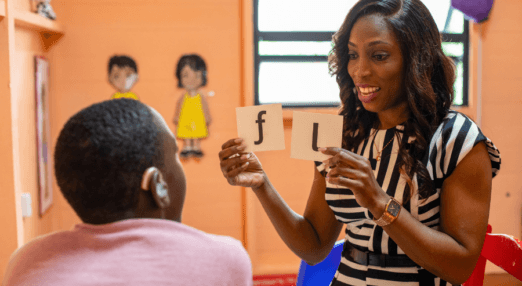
(34, 21)
(50, 30)
(2, 9)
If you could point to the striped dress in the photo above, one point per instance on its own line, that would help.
(453, 139)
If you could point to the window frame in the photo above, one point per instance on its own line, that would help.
(305, 36)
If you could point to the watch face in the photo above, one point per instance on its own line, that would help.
(394, 208)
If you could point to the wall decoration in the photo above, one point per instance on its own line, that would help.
(192, 115)
(43, 134)
(43, 8)
(123, 74)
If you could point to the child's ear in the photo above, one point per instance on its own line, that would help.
(153, 181)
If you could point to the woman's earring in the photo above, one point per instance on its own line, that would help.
(354, 90)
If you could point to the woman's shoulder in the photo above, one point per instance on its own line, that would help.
(456, 123)
(454, 115)
(454, 139)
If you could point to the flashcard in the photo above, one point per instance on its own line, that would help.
(310, 131)
(261, 127)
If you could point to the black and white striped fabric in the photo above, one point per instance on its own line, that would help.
(452, 141)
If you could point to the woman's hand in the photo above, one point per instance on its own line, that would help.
(355, 173)
(240, 168)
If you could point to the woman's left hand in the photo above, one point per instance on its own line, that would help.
(355, 173)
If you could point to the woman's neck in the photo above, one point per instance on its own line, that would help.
(393, 117)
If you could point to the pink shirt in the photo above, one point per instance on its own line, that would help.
(130, 252)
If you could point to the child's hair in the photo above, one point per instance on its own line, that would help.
(122, 61)
(196, 63)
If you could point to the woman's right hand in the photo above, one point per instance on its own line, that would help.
(240, 168)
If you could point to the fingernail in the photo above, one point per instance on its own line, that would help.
(322, 149)
(244, 157)
(238, 140)
(242, 147)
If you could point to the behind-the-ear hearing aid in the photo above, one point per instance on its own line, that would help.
(145, 181)
(161, 189)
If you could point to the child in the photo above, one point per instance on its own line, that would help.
(192, 115)
(123, 74)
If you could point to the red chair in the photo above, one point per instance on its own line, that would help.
(502, 250)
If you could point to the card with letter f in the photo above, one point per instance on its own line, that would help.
(261, 127)
(311, 131)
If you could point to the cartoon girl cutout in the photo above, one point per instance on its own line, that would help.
(123, 74)
(192, 116)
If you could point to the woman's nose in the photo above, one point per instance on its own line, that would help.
(361, 68)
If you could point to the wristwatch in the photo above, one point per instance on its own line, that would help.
(391, 212)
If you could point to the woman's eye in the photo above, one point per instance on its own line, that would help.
(380, 57)
(352, 56)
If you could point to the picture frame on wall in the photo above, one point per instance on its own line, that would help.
(43, 134)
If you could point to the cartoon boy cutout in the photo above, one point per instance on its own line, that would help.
(192, 116)
(123, 74)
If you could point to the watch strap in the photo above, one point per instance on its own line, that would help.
(387, 217)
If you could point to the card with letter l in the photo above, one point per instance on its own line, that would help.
(311, 131)
(261, 126)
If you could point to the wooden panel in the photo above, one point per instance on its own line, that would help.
(10, 207)
(2, 9)
(34, 21)
(24, 131)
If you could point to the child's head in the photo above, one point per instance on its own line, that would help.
(191, 72)
(123, 73)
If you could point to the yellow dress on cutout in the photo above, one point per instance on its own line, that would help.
(192, 123)
(125, 95)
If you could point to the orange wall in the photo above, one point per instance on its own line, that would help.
(501, 110)
(156, 33)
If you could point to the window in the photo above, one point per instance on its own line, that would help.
(292, 41)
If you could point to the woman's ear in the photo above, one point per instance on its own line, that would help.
(153, 181)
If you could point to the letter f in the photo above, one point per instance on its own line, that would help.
(260, 122)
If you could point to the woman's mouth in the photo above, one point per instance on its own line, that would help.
(367, 94)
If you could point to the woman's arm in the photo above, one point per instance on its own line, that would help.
(451, 253)
(311, 236)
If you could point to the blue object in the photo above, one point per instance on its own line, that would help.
(323, 272)
(477, 10)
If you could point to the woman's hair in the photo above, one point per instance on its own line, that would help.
(196, 63)
(429, 76)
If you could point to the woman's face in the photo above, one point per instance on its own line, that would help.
(190, 79)
(376, 66)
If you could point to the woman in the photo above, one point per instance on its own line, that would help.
(412, 182)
